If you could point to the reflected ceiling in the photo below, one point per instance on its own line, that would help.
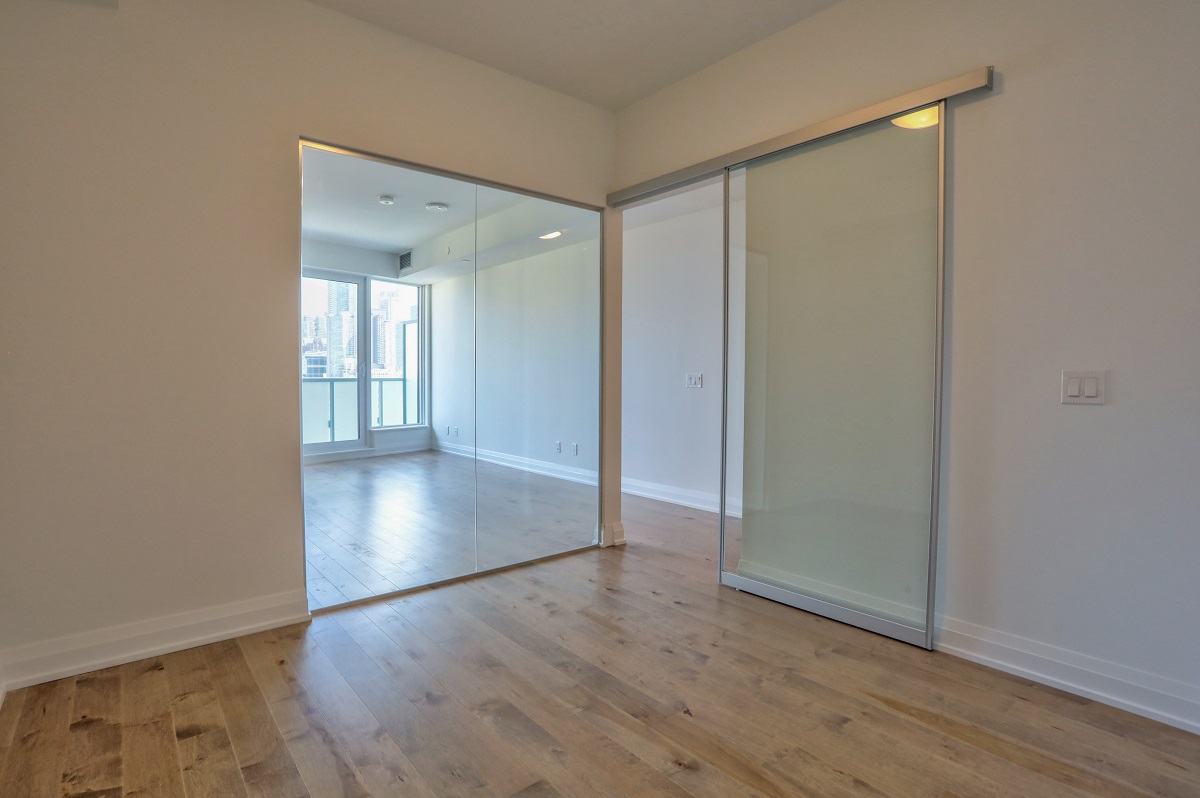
(481, 227)
(341, 202)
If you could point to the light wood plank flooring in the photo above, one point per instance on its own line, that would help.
(381, 524)
(618, 672)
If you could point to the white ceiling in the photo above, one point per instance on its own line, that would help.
(483, 227)
(341, 202)
(610, 53)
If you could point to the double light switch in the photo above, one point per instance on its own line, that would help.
(1083, 387)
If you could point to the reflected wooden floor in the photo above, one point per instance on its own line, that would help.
(614, 672)
(381, 524)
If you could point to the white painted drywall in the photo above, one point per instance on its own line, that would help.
(334, 257)
(534, 379)
(1069, 533)
(150, 242)
(452, 363)
(671, 326)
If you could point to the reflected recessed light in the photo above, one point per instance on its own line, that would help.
(926, 117)
(387, 199)
(438, 207)
(549, 236)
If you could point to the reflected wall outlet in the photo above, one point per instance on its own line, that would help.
(558, 446)
(575, 448)
(1084, 387)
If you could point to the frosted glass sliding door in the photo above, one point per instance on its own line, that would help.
(833, 337)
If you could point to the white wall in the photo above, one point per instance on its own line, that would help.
(452, 363)
(672, 326)
(327, 255)
(150, 236)
(1069, 534)
(536, 374)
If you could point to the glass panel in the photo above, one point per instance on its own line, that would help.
(329, 360)
(394, 314)
(538, 366)
(501, 321)
(315, 398)
(449, 490)
(832, 324)
(345, 409)
(388, 407)
(412, 366)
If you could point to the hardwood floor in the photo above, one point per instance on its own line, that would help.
(381, 524)
(616, 672)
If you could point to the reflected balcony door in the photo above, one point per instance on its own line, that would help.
(330, 343)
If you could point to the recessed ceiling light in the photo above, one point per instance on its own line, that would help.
(926, 117)
(437, 207)
(387, 199)
(549, 236)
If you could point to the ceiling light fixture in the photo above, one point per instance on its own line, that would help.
(926, 117)
(437, 207)
(387, 199)
(549, 236)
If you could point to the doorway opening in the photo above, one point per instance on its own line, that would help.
(449, 375)
(672, 294)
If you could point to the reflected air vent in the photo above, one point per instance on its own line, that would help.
(405, 261)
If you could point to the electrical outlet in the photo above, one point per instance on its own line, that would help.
(558, 446)
(693, 381)
(447, 429)
(575, 448)
(456, 432)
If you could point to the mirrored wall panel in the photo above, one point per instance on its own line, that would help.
(449, 357)
(537, 315)
(833, 292)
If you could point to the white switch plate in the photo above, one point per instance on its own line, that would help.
(1084, 387)
(693, 381)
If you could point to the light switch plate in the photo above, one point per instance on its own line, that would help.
(1084, 387)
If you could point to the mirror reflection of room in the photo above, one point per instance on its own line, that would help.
(449, 364)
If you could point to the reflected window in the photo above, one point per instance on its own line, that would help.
(358, 341)
(395, 353)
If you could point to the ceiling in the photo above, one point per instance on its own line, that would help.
(609, 53)
(341, 202)
(481, 227)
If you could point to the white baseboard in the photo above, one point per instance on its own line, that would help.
(454, 448)
(543, 467)
(47, 660)
(355, 454)
(697, 500)
(1140, 692)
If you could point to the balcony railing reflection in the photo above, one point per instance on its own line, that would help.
(329, 406)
